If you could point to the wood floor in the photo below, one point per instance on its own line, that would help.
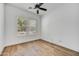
(37, 48)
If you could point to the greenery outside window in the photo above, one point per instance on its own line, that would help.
(26, 26)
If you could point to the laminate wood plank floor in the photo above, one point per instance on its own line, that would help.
(37, 48)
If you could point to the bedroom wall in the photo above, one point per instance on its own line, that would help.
(11, 25)
(61, 26)
(1, 27)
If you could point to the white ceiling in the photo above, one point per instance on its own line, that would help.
(49, 6)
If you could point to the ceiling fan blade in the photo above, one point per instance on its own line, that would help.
(43, 9)
(40, 4)
(36, 6)
(37, 11)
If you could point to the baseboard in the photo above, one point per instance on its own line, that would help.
(60, 45)
(20, 42)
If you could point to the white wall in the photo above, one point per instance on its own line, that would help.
(11, 25)
(61, 26)
(1, 27)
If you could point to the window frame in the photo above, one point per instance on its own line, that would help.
(38, 25)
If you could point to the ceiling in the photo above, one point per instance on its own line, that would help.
(49, 6)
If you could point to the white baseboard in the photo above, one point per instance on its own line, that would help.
(60, 44)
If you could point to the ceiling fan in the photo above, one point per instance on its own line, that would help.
(38, 7)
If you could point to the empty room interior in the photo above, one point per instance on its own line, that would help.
(39, 29)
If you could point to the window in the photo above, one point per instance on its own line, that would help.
(31, 26)
(27, 26)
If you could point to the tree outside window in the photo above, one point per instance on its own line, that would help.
(21, 24)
